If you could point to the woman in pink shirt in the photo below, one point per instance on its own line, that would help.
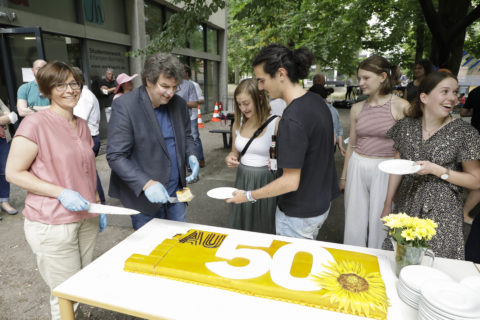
(364, 184)
(51, 157)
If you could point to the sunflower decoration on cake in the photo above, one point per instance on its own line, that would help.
(355, 291)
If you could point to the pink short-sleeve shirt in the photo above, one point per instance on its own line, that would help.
(65, 158)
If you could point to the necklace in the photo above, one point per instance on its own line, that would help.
(428, 133)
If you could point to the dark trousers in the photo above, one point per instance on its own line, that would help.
(96, 149)
(472, 247)
(4, 185)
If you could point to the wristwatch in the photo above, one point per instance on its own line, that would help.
(445, 175)
(248, 195)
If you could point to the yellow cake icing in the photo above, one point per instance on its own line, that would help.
(330, 279)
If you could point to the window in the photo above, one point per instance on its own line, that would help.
(212, 41)
(196, 39)
(211, 97)
(62, 48)
(153, 19)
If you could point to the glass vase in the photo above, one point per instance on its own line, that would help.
(406, 255)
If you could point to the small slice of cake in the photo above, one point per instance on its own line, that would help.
(184, 195)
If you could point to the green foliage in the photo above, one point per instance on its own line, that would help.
(335, 30)
(472, 41)
(179, 26)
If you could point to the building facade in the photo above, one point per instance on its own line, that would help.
(97, 34)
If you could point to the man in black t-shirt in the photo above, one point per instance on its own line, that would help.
(106, 89)
(472, 108)
(305, 140)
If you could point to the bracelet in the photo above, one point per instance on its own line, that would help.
(248, 195)
(342, 178)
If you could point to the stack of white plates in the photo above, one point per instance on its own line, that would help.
(472, 282)
(448, 300)
(412, 278)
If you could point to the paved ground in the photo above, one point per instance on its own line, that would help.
(23, 294)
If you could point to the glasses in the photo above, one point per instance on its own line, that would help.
(168, 89)
(62, 87)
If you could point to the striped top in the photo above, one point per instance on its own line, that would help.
(373, 122)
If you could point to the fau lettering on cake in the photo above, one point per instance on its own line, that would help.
(212, 240)
(303, 273)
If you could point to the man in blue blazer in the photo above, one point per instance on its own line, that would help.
(149, 142)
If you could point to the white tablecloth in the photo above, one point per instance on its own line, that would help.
(104, 284)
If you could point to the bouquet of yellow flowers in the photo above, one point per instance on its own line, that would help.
(408, 230)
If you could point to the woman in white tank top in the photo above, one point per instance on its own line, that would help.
(251, 111)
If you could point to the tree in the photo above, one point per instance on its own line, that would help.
(337, 30)
(179, 26)
(448, 26)
(331, 28)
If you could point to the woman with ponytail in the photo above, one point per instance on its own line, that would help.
(364, 184)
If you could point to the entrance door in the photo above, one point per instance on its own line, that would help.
(19, 48)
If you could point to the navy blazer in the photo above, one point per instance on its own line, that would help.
(136, 150)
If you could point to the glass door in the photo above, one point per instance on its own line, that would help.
(19, 48)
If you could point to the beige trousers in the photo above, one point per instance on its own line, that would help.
(61, 251)
(365, 192)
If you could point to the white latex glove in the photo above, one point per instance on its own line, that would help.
(13, 117)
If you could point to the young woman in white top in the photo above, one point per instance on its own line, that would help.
(251, 111)
(364, 184)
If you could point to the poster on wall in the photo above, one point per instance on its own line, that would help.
(469, 73)
(105, 55)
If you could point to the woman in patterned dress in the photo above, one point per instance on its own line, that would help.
(448, 152)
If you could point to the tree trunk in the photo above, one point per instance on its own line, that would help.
(451, 13)
(237, 74)
(420, 37)
(448, 28)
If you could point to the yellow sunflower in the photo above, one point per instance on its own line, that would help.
(348, 285)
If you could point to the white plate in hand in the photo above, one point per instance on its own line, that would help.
(398, 166)
(221, 193)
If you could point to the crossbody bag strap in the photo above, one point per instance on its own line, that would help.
(257, 133)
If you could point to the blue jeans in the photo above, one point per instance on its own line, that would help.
(303, 228)
(170, 211)
(4, 185)
(196, 139)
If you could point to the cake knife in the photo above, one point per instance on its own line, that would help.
(175, 200)
(101, 208)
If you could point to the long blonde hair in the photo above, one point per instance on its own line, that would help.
(262, 107)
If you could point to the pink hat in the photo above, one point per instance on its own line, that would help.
(123, 78)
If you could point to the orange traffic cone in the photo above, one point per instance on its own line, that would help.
(200, 122)
(216, 116)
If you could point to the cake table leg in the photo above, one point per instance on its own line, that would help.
(66, 309)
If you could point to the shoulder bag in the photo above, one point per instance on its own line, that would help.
(257, 133)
